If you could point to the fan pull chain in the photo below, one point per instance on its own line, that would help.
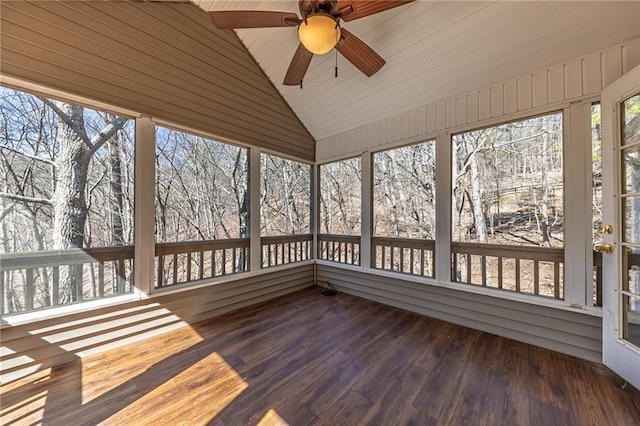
(336, 64)
(301, 84)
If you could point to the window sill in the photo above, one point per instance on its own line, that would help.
(58, 311)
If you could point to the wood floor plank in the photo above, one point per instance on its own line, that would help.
(307, 359)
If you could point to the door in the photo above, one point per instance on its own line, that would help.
(621, 209)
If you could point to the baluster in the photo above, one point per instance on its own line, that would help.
(468, 268)
(79, 273)
(556, 280)
(518, 275)
(432, 270)
(234, 263)
(56, 286)
(100, 279)
(189, 266)
(224, 261)
(201, 268)
(121, 276)
(28, 291)
(392, 252)
(454, 268)
(536, 277)
(483, 268)
(160, 278)
(213, 263)
(422, 256)
(358, 258)
(175, 268)
(500, 272)
(401, 258)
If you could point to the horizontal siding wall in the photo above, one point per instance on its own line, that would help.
(566, 82)
(162, 59)
(564, 331)
(43, 344)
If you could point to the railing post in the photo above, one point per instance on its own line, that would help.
(578, 257)
(366, 225)
(442, 252)
(255, 248)
(144, 237)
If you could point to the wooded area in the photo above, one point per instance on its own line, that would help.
(404, 192)
(69, 184)
(508, 184)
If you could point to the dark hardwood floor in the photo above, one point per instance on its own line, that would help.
(309, 359)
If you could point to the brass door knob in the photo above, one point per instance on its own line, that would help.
(603, 248)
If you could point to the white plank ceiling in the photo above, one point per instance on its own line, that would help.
(434, 50)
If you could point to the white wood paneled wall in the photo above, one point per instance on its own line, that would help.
(533, 92)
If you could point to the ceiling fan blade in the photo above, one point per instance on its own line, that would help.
(356, 9)
(298, 66)
(359, 54)
(228, 19)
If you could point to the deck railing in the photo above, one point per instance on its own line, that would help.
(38, 280)
(285, 249)
(42, 279)
(182, 262)
(339, 248)
(534, 270)
(406, 255)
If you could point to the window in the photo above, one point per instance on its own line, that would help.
(404, 209)
(285, 210)
(508, 196)
(340, 207)
(202, 205)
(66, 205)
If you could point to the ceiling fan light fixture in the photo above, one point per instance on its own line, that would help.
(319, 34)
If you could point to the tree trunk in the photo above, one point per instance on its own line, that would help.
(69, 203)
(545, 240)
(240, 189)
(116, 199)
(476, 199)
(75, 150)
(389, 195)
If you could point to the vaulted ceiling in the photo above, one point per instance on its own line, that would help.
(434, 50)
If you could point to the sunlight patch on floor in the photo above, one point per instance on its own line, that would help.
(188, 397)
(272, 418)
(101, 374)
(26, 412)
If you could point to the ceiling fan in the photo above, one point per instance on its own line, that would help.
(319, 31)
